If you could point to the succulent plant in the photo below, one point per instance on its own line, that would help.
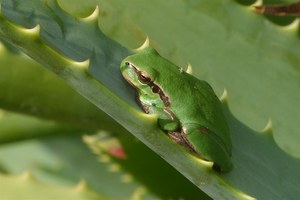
(69, 118)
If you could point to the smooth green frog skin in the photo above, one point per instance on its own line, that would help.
(187, 108)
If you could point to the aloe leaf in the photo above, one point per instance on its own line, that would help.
(16, 127)
(61, 160)
(30, 188)
(45, 95)
(129, 155)
(143, 126)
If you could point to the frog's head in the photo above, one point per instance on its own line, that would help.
(139, 71)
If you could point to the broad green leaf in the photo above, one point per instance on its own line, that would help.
(28, 88)
(61, 160)
(26, 187)
(133, 158)
(224, 23)
(16, 127)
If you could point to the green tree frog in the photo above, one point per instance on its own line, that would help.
(187, 108)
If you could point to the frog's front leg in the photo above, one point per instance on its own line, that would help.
(166, 121)
(208, 146)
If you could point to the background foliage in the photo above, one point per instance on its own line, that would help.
(42, 122)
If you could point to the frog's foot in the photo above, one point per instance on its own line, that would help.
(217, 168)
(168, 125)
(179, 139)
(209, 147)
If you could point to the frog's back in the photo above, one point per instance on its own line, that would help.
(197, 105)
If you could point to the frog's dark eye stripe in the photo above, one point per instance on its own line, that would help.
(143, 78)
(155, 89)
(165, 99)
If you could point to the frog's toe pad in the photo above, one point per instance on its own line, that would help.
(167, 125)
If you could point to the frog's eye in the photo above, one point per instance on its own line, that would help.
(143, 78)
(127, 63)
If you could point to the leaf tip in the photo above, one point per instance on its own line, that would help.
(189, 69)
(258, 7)
(81, 65)
(224, 96)
(257, 4)
(27, 176)
(81, 186)
(104, 158)
(292, 27)
(95, 144)
(138, 193)
(244, 196)
(205, 163)
(144, 45)
(126, 178)
(93, 17)
(268, 129)
(114, 167)
(90, 141)
(35, 31)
